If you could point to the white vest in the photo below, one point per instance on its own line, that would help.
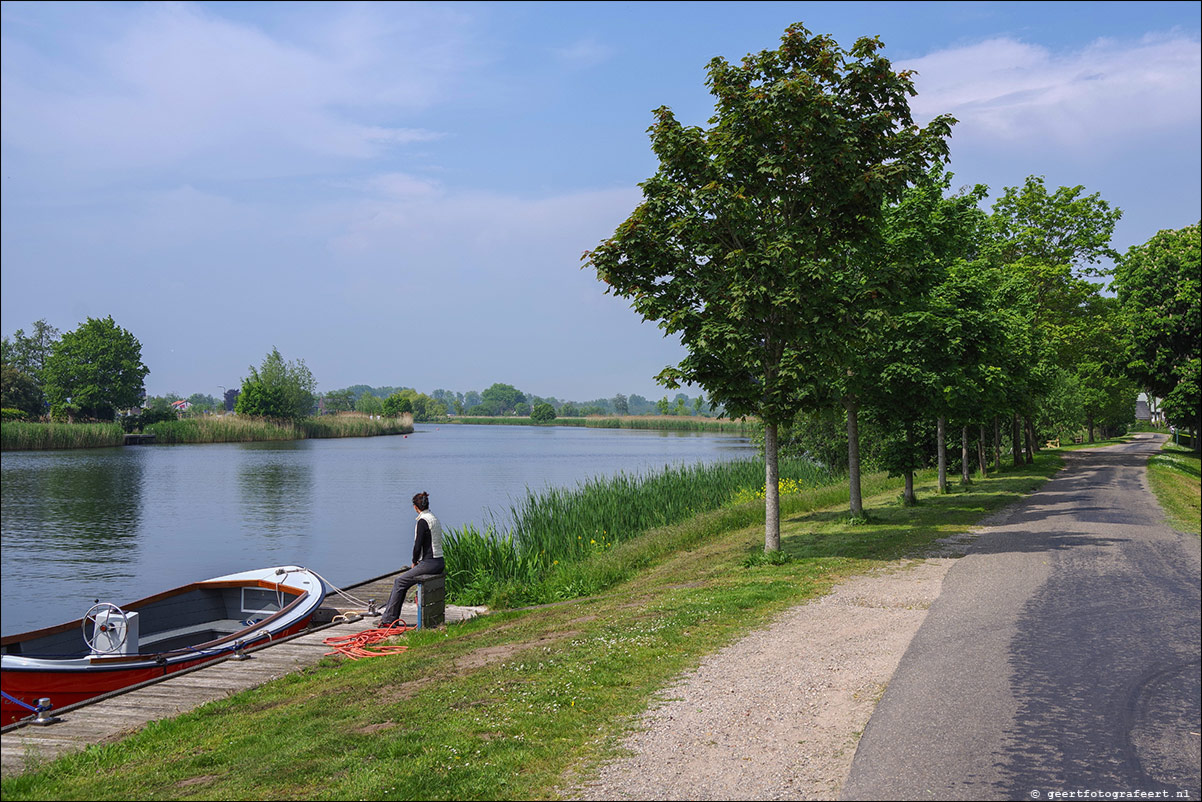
(435, 532)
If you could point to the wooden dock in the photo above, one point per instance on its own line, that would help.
(116, 715)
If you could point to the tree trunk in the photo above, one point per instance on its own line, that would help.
(1016, 442)
(853, 458)
(941, 448)
(982, 462)
(1089, 420)
(964, 477)
(997, 444)
(1030, 439)
(909, 500)
(771, 489)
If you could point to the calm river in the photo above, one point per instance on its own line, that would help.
(118, 524)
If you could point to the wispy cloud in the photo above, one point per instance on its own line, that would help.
(1007, 90)
(177, 85)
(583, 53)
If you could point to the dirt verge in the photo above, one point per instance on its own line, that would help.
(778, 714)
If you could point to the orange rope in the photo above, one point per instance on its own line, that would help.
(364, 643)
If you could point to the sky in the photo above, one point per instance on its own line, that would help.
(399, 194)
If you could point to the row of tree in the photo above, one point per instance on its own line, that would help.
(808, 250)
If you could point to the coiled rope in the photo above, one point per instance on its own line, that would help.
(364, 644)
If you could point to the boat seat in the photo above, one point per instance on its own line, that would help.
(224, 626)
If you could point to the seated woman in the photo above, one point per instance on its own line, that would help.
(427, 558)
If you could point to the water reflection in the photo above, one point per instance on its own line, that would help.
(275, 488)
(76, 509)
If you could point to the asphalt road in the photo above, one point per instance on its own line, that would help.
(1062, 655)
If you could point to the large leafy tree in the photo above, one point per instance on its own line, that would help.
(1159, 288)
(502, 399)
(278, 389)
(95, 370)
(744, 243)
(398, 404)
(339, 401)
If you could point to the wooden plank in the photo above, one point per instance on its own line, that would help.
(177, 693)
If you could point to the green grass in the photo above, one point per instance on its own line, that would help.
(24, 436)
(517, 704)
(1173, 475)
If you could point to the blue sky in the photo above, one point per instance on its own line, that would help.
(399, 194)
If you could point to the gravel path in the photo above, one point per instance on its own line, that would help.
(777, 715)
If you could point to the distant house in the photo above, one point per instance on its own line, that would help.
(180, 406)
(1147, 410)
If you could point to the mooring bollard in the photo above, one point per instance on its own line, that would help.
(43, 708)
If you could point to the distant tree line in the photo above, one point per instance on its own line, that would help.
(96, 373)
(503, 400)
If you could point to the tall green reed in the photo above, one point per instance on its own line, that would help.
(240, 429)
(561, 526)
(356, 425)
(219, 429)
(26, 436)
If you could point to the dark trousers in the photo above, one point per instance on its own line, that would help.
(408, 579)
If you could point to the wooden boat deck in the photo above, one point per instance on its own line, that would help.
(117, 715)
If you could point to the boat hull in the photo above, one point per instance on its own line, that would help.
(67, 680)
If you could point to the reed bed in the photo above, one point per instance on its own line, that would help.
(24, 436)
(552, 530)
(239, 429)
(219, 429)
(356, 425)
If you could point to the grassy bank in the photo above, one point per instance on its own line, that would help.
(206, 429)
(648, 422)
(556, 532)
(23, 436)
(516, 704)
(1173, 475)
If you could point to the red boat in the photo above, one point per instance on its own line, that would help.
(114, 647)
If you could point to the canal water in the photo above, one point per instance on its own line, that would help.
(118, 524)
